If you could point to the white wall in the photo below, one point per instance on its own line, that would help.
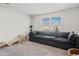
(12, 22)
(70, 20)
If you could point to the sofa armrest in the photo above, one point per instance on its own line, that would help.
(77, 41)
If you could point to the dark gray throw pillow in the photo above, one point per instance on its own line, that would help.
(72, 38)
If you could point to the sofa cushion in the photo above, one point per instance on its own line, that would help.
(44, 37)
(62, 40)
(41, 33)
(46, 33)
(49, 37)
(37, 36)
(63, 34)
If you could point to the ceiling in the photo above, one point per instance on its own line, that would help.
(39, 8)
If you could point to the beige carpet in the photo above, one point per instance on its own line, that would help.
(31, 49)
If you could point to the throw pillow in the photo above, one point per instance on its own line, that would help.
(70, 34)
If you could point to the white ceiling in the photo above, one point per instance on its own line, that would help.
(39, 8)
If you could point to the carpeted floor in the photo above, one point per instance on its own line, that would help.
(31, 49)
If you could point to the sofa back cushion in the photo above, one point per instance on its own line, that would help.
(46, 33)
(63, 34)
(56, 34)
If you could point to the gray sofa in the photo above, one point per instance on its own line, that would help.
(56, 39)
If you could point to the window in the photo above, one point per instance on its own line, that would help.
(56, 20)
(49, 24)
(45, 24)
(45, 21)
